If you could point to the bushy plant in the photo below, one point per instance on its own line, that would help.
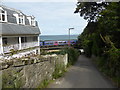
(43, 84)
(59, 71)
(114, 62)
(43, 52)
(61, 52)
(109, 64)
(13, 51)
(72, 55)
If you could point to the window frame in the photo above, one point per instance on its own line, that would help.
(35, 38)
(5, 40)
(21, 19)
(23, 39)
(32, 21)
(3, 15)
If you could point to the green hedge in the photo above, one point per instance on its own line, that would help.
(73, 54)
(109, 64)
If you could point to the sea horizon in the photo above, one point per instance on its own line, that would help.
(57, 37)
(59, 34)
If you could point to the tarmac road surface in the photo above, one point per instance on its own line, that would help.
(82, 75)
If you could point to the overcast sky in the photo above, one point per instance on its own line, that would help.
(54, 16)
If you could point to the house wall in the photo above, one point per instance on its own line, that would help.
(12, 40)
(30, 39)
(13, 43)
(29, 43)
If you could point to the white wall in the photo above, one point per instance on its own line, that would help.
(1, 44)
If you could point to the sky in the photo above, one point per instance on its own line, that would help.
(54, 17)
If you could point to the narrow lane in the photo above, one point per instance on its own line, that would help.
(82, 75)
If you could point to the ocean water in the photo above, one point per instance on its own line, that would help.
(57, 37)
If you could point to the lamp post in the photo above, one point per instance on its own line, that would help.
(69, 35)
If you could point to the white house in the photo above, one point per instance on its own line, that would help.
(17, 30)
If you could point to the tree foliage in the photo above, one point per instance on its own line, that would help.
(90, 10)
(101, 37)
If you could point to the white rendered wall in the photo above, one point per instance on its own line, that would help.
(1, 45)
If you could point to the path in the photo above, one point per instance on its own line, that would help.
(82, 75)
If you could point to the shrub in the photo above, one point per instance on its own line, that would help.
(43, 84)
(61, 52)
(114, 61)
(59, 71)
(43, 52)
(13, 51)
(109, 64)
(72, 55)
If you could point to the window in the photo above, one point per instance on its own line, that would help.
(23, 39)
(35, 38)
(32, 21)
(3, 15)
(21, 19)
(5, 42)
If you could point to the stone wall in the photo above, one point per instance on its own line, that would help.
(29, 72)
(13, 54)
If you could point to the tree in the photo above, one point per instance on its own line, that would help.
(101, 36)
(90, 10)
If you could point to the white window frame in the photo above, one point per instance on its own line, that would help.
(21, 19)
(3, 13)
(31, 20)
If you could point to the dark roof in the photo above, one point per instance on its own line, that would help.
(16, 29)
(11, 18)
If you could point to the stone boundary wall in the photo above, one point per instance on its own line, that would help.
(20, 53)
(29, 72)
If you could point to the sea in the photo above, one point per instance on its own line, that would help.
(57, 37)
